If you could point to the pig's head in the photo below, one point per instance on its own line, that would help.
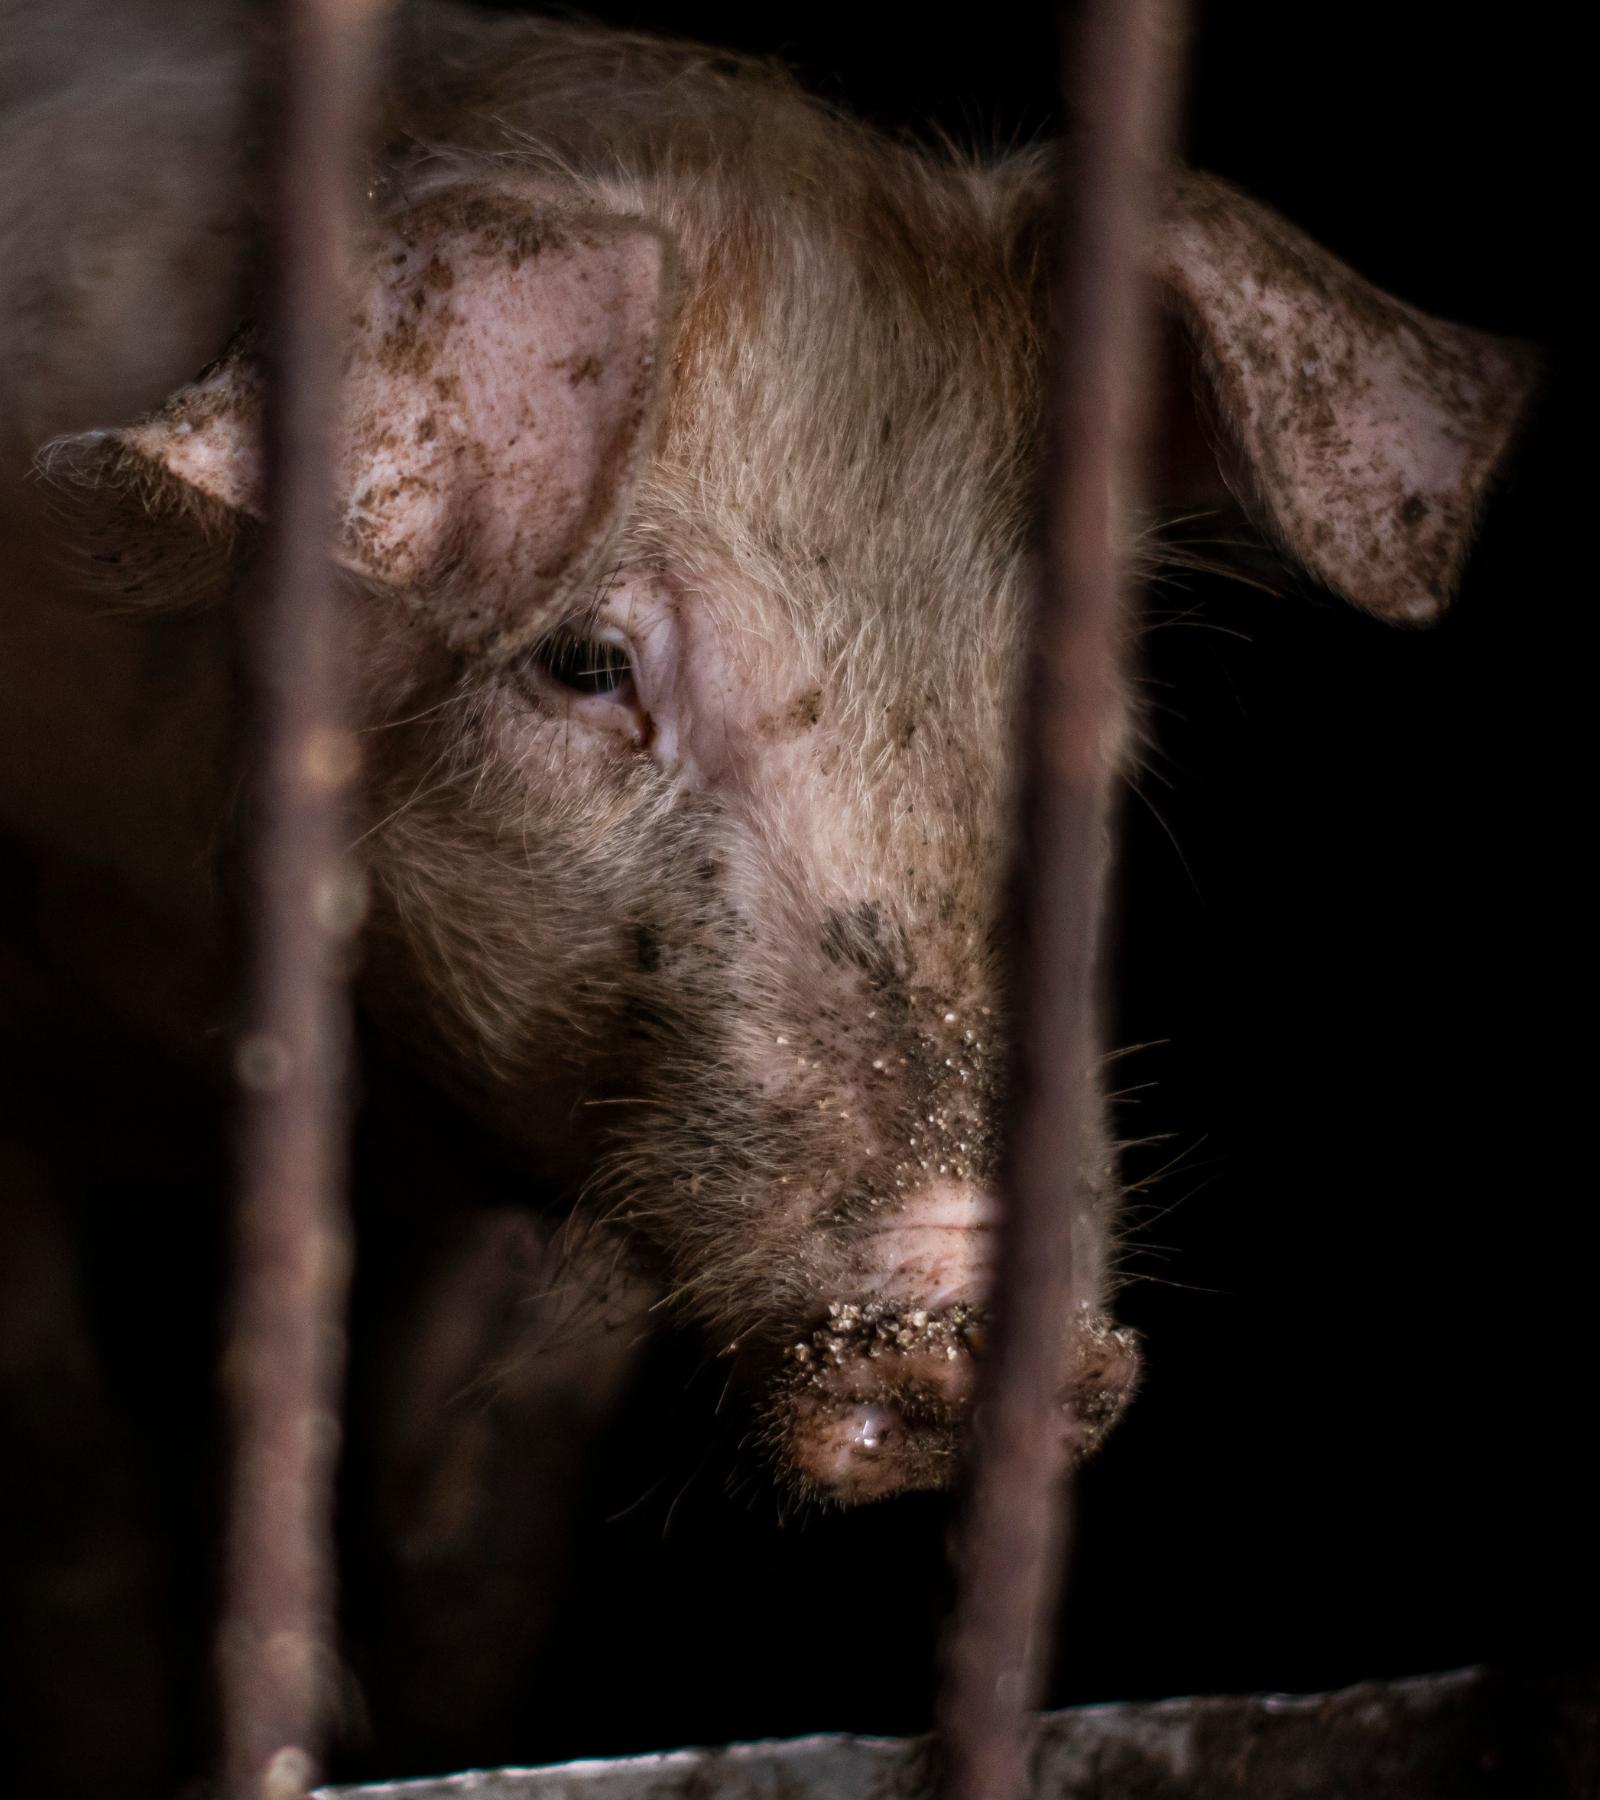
(687, 509)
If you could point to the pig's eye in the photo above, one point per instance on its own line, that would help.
(593, 667)
(600, 673)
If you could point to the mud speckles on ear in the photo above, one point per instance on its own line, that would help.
(500, 395)
(1413, 510)
(207, 435)
(1369, 430)
(531, 343)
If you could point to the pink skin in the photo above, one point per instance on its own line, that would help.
(697, 707)
(937, 1252)
(777, 462)
(872, 1401)
(851, 1434)
(684, 702)
(863, 1430)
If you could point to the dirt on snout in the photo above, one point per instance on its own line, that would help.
(873, 1401)
(874, 1329)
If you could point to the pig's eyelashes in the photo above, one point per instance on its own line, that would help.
(590, 666)
(586, 675)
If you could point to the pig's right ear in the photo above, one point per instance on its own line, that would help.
(1362, 432)
(499, 399)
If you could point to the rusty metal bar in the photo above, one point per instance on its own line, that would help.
(284, 1355)
(1015, 1531)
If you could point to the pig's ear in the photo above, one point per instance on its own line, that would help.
(499, 399)
(1362, 432)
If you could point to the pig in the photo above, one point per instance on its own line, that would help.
(687, 502)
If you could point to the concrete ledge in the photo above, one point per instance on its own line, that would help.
(1473, 1734)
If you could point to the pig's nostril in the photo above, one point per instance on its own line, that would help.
(874, 1399)
(851, 1450)
(871, 1427)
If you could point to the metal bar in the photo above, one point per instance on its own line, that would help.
(1015, 1531)
(284, 1356)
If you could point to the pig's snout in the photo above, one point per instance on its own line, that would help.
(876, 1397)
(938, 1251)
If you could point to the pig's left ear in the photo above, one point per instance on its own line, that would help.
(1365, 431)
(499, 399)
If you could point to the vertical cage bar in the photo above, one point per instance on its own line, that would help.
(1015, 1532)
(283, 1360)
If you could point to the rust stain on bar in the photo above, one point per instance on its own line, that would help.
(1015, 1531)
(284, 1355)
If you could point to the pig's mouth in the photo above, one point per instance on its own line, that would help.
(874, 1400)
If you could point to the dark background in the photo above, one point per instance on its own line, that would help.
(1349, 937)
